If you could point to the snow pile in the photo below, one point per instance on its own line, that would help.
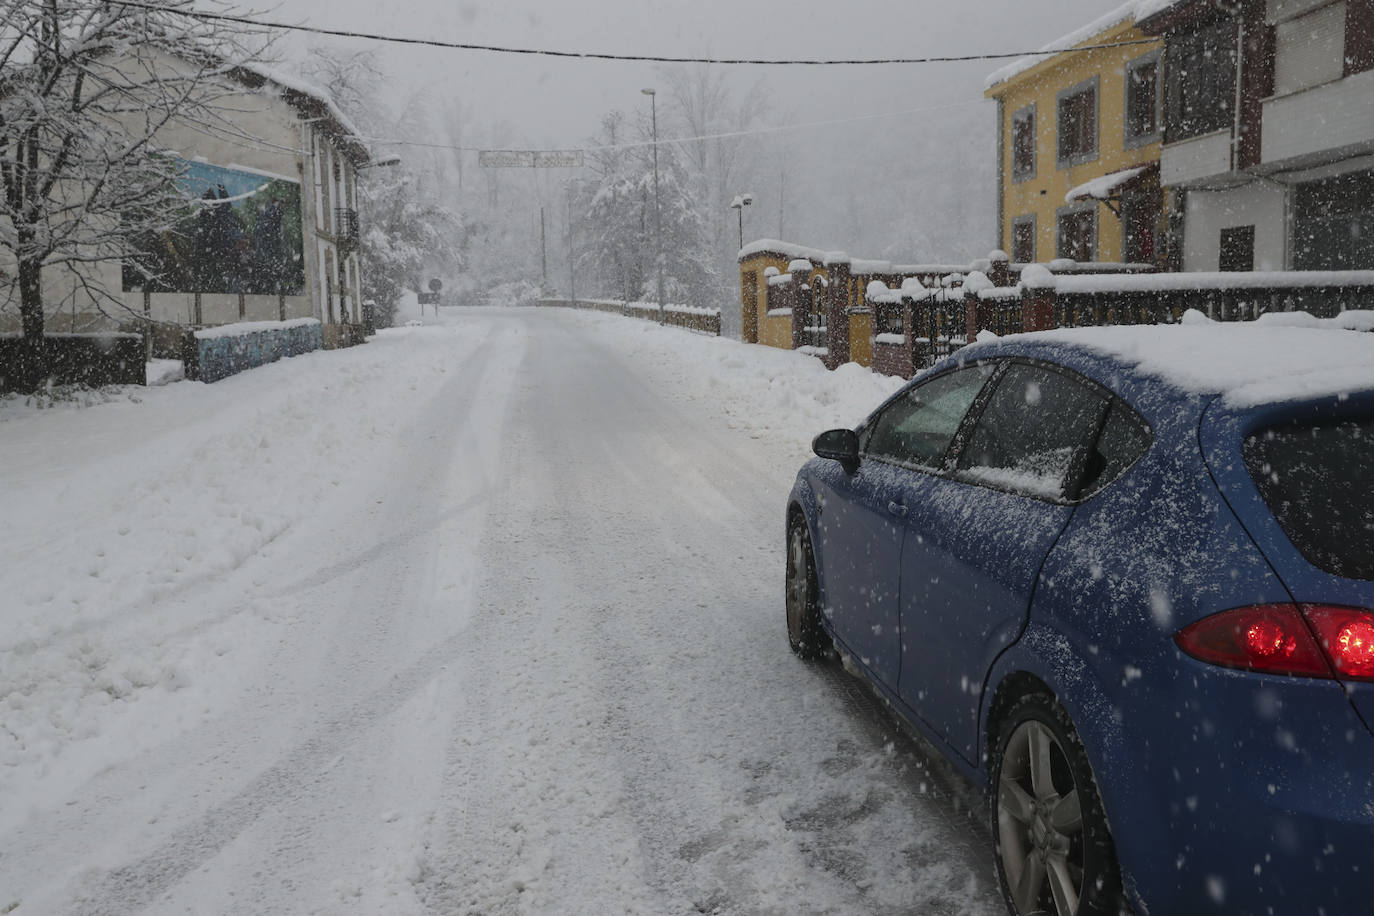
(1037, 276)
(121, 506)
(1103, 186)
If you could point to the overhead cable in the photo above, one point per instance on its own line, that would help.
(644, 58)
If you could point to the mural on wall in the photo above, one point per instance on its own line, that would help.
(240, 232)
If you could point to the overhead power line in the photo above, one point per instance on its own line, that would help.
(644, 58)
(753, 131)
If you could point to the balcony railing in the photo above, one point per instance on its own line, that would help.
(346, 229)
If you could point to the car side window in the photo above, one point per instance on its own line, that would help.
(1036, 424)
(916, 429)
(1123, 439)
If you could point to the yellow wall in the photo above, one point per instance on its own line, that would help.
(777, 331)
(773, 332)
(1043, 195)
(861, 338)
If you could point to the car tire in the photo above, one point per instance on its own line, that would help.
(1054, 848)
(805, 632)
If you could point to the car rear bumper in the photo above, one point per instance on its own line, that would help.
(1263, 802)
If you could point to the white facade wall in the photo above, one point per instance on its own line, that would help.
(1260, 204)
(1196, 159)
(1329, 121)
(263, 133)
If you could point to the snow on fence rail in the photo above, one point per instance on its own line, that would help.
(916, 325)
(701, 320)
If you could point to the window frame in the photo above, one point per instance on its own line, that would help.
(1025, 219)
(1090, 85)
(1075, 491)
(1088, 206)
(941, 468)
(1134, 141)
(1179, 48)
(1024, 114)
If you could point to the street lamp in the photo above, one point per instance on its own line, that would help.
(383, 162)
(569, 186)
(658, 208)
(739, 203)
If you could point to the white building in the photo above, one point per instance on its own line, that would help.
(271, 229)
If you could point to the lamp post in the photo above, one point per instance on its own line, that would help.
(569, 186)
(739, 203)
(658, 208)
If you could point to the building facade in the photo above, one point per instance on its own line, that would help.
(1269, 132)
(1078, 148)
(269, 231)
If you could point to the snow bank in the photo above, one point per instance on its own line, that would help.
(114, 506)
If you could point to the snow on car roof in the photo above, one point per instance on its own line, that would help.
(1249, 363)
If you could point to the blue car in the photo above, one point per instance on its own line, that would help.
(1122, 578)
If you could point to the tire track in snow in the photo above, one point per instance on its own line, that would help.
(280, 792)
(718, 774)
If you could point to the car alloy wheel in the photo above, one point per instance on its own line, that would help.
(804, 631)
(1054, 850)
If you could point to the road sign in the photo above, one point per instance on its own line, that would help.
(530, 159)
(435, 285)
(427, 298)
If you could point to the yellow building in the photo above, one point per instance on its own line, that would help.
(1078, 148)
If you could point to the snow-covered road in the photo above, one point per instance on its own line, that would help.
(483, 617)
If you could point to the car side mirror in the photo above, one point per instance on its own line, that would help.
(840, 445)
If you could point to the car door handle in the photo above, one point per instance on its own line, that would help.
(897, 509)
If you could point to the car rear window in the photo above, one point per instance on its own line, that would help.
(1318, 480)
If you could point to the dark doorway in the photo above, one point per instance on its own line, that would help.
(1238, 248)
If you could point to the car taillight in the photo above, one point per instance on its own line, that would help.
(1347, 635)
(1308, 641)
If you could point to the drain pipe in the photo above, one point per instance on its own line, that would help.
(1234, 10)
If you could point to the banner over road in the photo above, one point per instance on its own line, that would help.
(530, 159)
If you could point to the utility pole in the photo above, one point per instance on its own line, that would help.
(572, 281)
(658, 206)
(543, 253)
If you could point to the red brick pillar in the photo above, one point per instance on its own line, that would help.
(1037, 299)
(912, 355)
(837, 314)
(1000, 270)
(973, 319)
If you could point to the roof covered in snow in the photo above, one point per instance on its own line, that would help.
(313, 101)
(1126, 12)
(1248, 362)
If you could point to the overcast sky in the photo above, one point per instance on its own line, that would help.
(557, 103)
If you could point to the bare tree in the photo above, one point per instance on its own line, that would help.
(85, 88)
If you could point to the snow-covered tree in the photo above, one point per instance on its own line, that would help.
(85, 87)
(620, 226)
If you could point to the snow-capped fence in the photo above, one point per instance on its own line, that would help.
(105, 358)
(701, 320)
(919, 322)
(899, 319)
